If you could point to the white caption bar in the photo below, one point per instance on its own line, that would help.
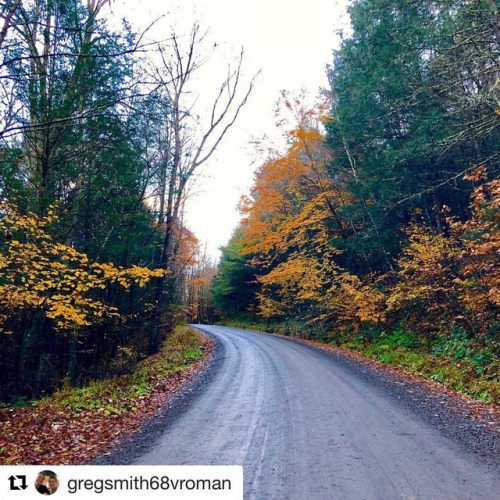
(126, 482)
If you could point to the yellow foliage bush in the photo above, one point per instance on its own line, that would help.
(453, 278)
(39, 274)
(351, 303)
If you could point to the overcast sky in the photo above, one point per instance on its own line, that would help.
(290, 41)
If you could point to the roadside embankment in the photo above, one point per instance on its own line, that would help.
(74, 425)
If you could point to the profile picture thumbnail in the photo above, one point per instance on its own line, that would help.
(46, 482)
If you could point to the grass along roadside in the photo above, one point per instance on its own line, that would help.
(454, 360)
(74, 425)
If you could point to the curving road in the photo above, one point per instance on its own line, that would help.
(306, 427)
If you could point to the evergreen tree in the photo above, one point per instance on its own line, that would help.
(414, 94)
(234, 287)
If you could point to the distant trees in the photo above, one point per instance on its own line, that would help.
(199, 297)
(234, 287)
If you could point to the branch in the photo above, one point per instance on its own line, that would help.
(198, 161)
(8, 20)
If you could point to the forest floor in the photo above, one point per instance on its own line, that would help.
(73, 426)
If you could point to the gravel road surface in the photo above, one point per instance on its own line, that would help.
(305, 425)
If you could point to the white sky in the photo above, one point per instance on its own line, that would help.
(291, 41)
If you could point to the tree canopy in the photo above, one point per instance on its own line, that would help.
(383, 209)
(98, 147)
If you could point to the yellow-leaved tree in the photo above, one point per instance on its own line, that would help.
(40, 275)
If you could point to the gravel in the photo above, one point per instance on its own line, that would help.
(474, 426)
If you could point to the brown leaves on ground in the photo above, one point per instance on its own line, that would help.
(40, 434)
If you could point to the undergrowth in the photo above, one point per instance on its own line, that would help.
(74, 425)
(118, 394)
(467, 365)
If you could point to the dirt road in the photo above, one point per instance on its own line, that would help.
(307, 427)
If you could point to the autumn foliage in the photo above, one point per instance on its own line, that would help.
(289, 224)
(453, 278)
(378, 217)
(96, 164)
(444, 278)
(38, 274)
(58, 308)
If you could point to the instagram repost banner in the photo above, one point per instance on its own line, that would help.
(126, 482)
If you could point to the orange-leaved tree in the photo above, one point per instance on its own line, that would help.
(290, 223)
(479, 254)
(447, 280)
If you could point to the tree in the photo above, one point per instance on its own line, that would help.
(8, 11)
(78, 141)
(185, 143)
(49, 294)
(371, 227)
(414, 109)
(291, 224)
(234, 286)
(61, 87)
(72, 144)
(200, 301)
